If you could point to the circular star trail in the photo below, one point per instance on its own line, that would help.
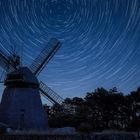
(101, 41)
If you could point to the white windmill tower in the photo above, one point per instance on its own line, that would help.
(21, 105)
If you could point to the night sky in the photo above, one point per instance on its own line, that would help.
(101, 41)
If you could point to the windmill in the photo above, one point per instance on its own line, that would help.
(21, 106)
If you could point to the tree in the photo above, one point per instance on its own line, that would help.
(99, 110)
(134, 104)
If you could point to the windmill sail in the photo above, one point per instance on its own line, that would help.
(5, 63)
(45, 56)
(48, 93)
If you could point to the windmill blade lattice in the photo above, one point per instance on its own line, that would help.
(44, 57)
(5, 63)
(48, 93)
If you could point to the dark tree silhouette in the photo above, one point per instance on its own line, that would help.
(99, 110)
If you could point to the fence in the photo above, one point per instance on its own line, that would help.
(70, 137)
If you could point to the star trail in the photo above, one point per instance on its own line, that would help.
(101, 41)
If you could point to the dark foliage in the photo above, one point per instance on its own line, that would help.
(99, 110)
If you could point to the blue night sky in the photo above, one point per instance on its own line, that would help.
(101, 41)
